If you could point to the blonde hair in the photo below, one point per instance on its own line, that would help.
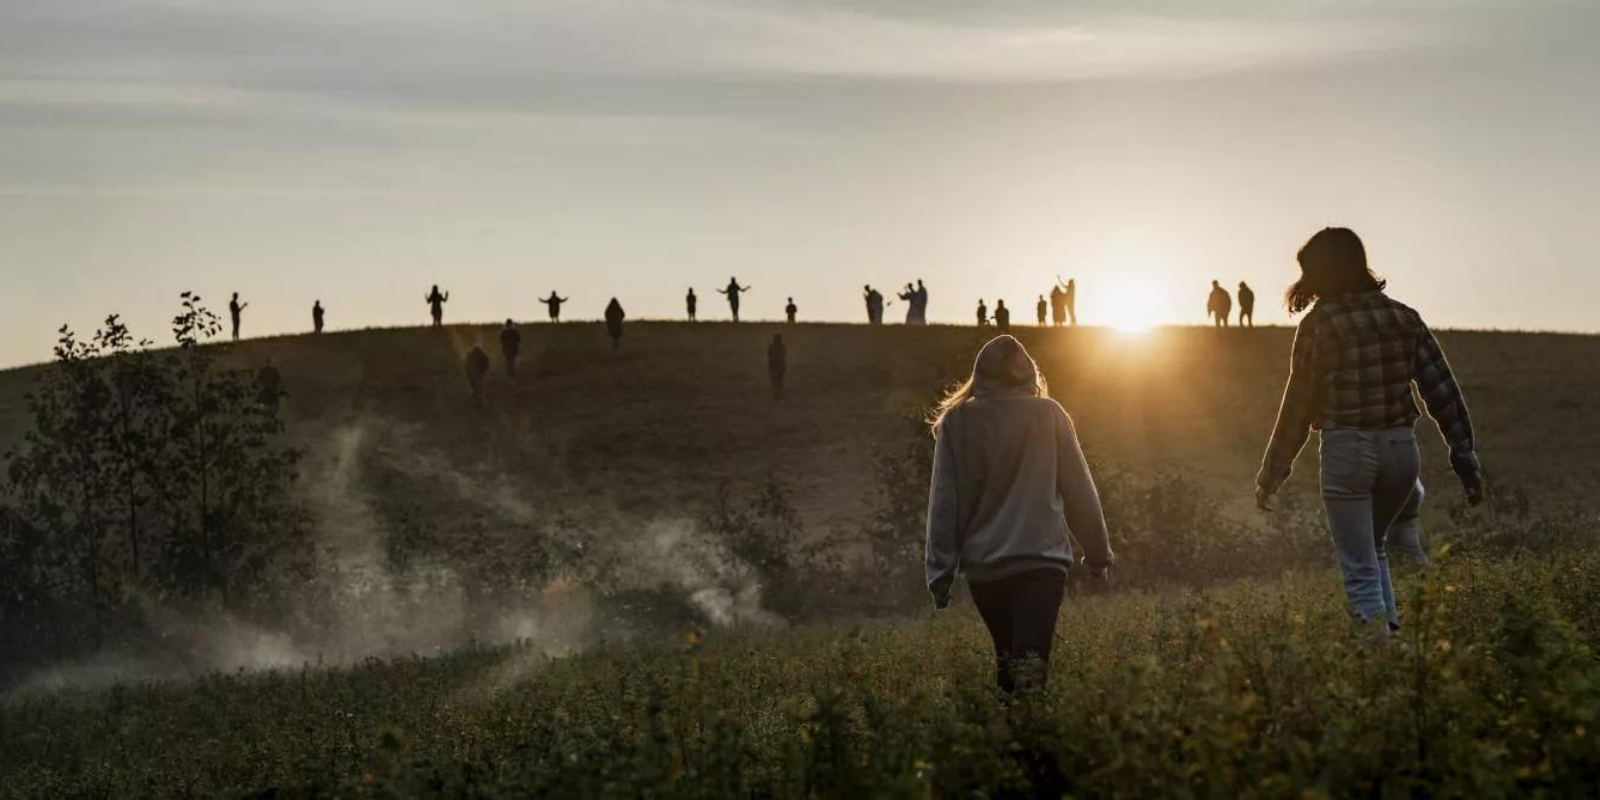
(1003, 361)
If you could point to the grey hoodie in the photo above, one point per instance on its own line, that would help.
(1009, 482)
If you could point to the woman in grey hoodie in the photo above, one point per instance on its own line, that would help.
(1010, 486)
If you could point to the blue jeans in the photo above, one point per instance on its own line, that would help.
(1369, 479)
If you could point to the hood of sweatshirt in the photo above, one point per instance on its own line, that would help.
(1003, 367)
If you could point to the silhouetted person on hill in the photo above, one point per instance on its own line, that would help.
(553, 304)
(1219, 306)
(1069, 300)
(1058, 307)
(791, 310)
(1002, 317)
(510, 347)
(733, 291)
(316, 316)
(874, 303)
(269, 387)
(921, 297)
(477, 366)
(614, 318)
(1044, 311)
(691, 302)
(777, 364)
(1378, 357)
(983, 314)
(910, 298)
(436, 302)
(235, 309)
(1247, 305)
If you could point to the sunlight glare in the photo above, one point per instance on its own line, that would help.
(1127, 305)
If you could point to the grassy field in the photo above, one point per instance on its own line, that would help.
(633, 573)
(1260, 689)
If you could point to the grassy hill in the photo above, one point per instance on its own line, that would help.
(607, 441)
(606, 468)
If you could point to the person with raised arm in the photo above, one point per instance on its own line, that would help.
(436, 300)
(733, 291)
(553, 305)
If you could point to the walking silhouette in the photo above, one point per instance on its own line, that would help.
(983, 314)
(1044, 310)
(436, 302)
(1247, 305)
(791, 310)
(316, 316)
(1002, 317)
(614, 318)
(553, 303)
(691, 302)
(235, 308)
(1219, 306)
(777, 364)
(269, 387)
(733, 291)
(477, 366)
(510, 346)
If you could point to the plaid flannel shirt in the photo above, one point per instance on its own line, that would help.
(1355, 359)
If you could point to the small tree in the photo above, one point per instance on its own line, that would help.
(144, 472)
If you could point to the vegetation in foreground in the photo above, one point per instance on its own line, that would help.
(1256, 689)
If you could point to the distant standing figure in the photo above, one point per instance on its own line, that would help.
(477, 367)
(235, 309)
(910, 298)
(733, 291)
(316, 316)
(1219, 305)
(510, 347)
(614, 318)
(983, 314)
(791, 310)
(1058, 305)
(269, 387)
(866, 297)
(1010, 490)
(1044, 311)
(1247, 305)
(1069, 298)
(692, 302)
(1002, 317)
(921, 296)
(553, 304)
(436, 301)
(777, 364)
(1358, 364)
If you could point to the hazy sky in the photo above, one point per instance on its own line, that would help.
(357, 151)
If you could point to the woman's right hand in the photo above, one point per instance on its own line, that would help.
(1473, 485)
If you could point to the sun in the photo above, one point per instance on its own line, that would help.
(1128, 305)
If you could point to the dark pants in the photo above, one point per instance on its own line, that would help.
(1020, 612)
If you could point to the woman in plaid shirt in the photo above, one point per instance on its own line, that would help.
(1357, 354)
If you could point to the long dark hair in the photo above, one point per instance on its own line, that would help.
(1332, 262)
